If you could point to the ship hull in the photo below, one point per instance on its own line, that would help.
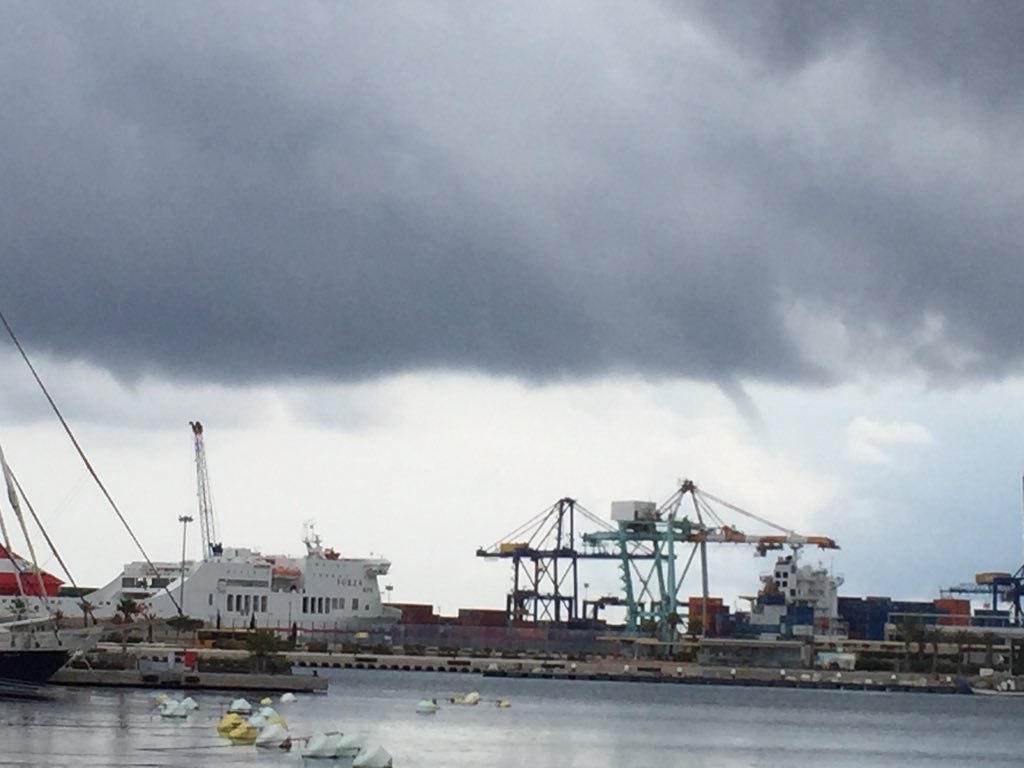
(34, 665)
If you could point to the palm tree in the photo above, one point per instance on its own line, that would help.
(934, 636)
(263, 646)
(695, 627)
(87, 613)
(990, 640)
(127, 607)
(912, 631)
(962, 639)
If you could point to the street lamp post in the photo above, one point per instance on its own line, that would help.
(184, 520)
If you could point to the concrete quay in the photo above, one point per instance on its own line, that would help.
(631, 670)
(227, 681)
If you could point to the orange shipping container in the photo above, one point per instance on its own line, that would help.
(958, 612)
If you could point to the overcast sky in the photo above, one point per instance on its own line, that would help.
(424, 268)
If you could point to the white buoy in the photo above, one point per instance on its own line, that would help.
(268, 712)
(273, 736)
(189, 703)
(352, 742)
(257, 720)
(427, 707)
(373, 755)
(240, 706)
(173, 708)
(287, 698)
(327, 746)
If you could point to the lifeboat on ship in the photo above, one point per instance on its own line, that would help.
(286, 572)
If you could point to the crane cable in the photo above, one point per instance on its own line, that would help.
(81, 453)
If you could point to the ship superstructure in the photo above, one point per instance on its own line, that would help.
(239, 587)
(796, 600)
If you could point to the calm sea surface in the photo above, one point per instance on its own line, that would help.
(551, 724)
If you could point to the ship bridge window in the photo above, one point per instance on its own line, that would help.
(341, 603)
(305, 604)
(355, 603)
(263, 603)
(231, 602)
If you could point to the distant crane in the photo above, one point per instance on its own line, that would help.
(1003, 585)
(652, 594)
(545, 586)
(207, 525)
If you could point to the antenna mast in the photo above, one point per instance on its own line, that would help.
(207, 526)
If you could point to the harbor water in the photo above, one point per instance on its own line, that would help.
(550, 724)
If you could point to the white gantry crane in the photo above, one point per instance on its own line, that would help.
(207, 525)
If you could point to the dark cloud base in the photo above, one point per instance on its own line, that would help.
(257, 192)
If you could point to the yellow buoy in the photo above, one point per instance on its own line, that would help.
(244, 734)
(228, 723)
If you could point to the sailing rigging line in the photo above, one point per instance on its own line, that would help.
(13, 498)
(81, 453)
(49, 541)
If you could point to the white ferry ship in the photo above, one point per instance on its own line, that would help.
(237, 587)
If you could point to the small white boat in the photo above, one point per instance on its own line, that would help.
(427, 706)
(995, 692)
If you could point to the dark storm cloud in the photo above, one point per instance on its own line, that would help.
(266, 191)
(966, 46)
